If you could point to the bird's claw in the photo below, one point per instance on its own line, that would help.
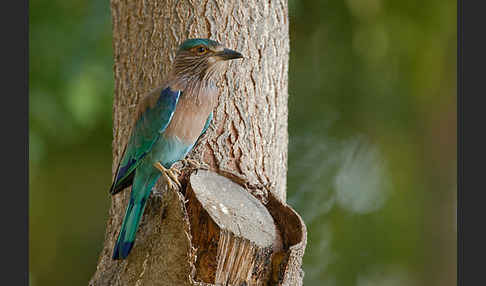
(171, 179)
(172, 184)
(174, 177)
(175, 170)
(195, 164)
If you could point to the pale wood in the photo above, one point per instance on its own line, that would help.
(247, 140)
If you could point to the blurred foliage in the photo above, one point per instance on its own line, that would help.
(372, 146)
(70, 133)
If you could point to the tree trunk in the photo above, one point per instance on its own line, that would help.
(180, 241)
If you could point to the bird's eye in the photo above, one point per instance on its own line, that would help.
(201, 50)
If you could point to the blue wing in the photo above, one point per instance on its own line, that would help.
(154, 114)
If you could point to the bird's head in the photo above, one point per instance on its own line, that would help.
(201, 58)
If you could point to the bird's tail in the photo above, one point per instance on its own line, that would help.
(133, 214)
(126, 237)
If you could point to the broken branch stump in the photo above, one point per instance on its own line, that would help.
(213, 233)
(237, 240)
(233, 232)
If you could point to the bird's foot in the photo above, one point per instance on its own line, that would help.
(171, 178)
(195, 164)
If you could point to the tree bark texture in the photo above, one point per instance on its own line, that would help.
(246, 142)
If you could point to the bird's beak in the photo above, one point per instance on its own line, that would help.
(228, 54)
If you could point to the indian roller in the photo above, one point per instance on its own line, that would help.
(168, 123)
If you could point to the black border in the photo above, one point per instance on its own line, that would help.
(471, 174)
(14, 210)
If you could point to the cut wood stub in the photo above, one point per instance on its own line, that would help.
(237, 240)
(233, 233)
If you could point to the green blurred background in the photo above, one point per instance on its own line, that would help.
(372, 146)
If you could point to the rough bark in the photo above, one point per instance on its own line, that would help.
(246, 142)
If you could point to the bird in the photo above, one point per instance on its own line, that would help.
(167, 123)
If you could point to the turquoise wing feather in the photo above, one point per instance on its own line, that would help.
(151, 122)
